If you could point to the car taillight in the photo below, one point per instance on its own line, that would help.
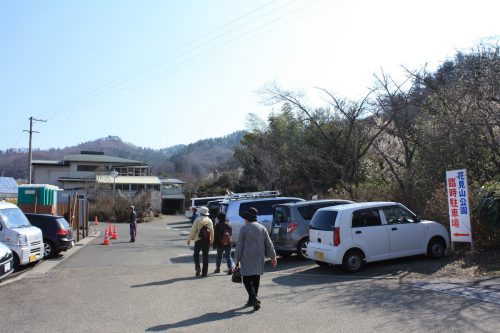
(291, 227)
(336, 236)
(62, 232)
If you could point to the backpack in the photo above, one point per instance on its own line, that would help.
(226, 239)
(204, 233)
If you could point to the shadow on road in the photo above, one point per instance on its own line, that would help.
(315, 276)
(179, 227)
(396, 268)
(180, 223)
(165, 282)
(206, 318)
(188, 258)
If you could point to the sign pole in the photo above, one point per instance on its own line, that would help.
(114, 174)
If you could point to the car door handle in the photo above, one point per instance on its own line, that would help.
(358, 232)
(394, 229)
(319, 240)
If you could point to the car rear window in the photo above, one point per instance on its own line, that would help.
(324, 220)
(281, 214)
(307, 212)
(63, 223)
(223, 208)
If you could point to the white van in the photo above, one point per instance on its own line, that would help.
(198, 202)
(353, 234)
(16, 232)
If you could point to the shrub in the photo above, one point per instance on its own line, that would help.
(486, 215)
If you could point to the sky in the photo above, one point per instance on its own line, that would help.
(159, 73)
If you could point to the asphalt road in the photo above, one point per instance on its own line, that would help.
(149, 286)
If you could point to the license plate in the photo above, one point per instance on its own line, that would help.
(32, 257)
(276, 230)
(6, 267)
(319, 255)
(72, 243)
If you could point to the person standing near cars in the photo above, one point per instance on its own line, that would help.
(252, 248)
(194, 216)
(133, 223)
(222, 243)
(203, 222)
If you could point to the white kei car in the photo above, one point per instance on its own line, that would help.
(353, 234)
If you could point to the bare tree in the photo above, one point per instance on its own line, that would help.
(350, 130)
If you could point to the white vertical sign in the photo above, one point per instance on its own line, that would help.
(458, 203)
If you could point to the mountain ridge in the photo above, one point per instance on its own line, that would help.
(186, 160)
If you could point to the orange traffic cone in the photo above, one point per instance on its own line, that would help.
(110, 230)
(106, 237)
(96, 221)
(115, 234)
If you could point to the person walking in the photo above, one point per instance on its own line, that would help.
(133, 223)
(201, 243)
(194, 216)
(222, 242)
(252, 248)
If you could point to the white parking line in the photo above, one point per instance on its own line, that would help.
(480, 294)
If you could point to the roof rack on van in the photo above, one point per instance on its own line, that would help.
(253, 195)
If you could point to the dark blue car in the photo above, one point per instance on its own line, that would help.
(57, 233)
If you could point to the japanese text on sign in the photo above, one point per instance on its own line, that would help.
(458, 203)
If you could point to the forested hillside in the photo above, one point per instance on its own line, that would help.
(195, 160)
(394, 144)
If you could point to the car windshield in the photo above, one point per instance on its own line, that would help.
(324, 220)
(14, 218)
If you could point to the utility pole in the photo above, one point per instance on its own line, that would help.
(30, 157)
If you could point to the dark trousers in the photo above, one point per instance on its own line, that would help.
(133, 231)
(251, 283)
(203, 246)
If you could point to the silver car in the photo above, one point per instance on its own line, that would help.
(290, 226)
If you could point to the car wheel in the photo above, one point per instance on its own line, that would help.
(302, 248)
(16, 261)
(353, 261)
(48, 249)
(436, 248)
(321, 263)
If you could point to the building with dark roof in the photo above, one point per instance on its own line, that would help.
(88, 171)
(75, 172)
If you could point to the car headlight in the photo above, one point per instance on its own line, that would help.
(22, 240)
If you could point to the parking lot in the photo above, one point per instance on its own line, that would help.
(150, 286)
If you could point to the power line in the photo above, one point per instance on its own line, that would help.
(116, 89)
(115, 86)
(167, 58)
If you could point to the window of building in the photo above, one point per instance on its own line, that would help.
(83, 167)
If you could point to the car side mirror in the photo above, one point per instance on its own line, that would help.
(418, 219)
(1, 227)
